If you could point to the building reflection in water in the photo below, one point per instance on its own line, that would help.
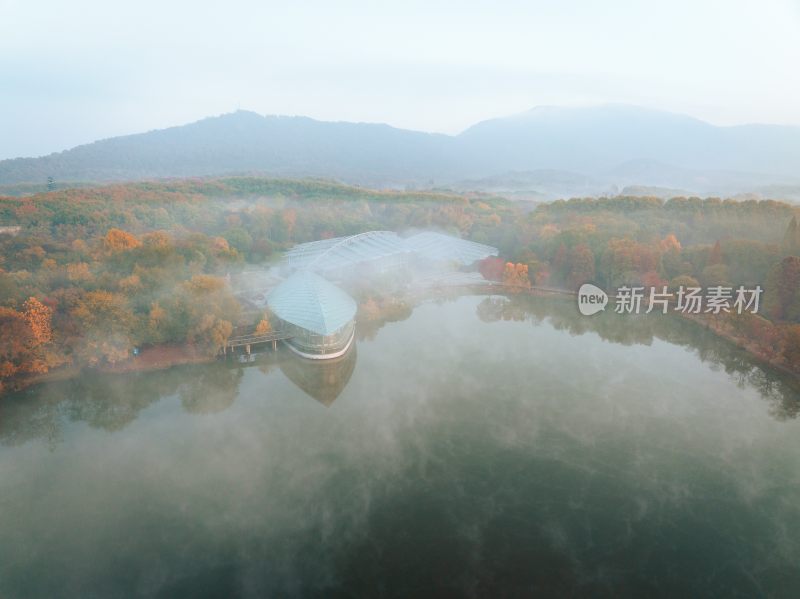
(324, 380)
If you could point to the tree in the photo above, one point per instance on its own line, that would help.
(79, 272)
(105, 324)
(211, 332)
(23, 340)
(206, 310)
(16, 342)
(782, 290)
(791, 239)
(684, 281)
(791, 347)
(670, 243)
(516, 276)
(716, 274)
(626, 261)
(263, 327)
(38, 316)
(715, 255)
(491, 268)
(580, 266)
(156, 324)
(118, 240)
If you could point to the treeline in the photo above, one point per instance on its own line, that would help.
(120, 266)
(123, 266)
(681, 242)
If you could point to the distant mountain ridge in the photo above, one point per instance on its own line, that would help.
(601, 148)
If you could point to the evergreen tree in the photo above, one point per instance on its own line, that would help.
(791, 239)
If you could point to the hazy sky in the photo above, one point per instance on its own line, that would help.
(72, 72)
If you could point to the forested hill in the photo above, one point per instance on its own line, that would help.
(615, 145)
(245, 143)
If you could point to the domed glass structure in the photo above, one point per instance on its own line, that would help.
(317, 315)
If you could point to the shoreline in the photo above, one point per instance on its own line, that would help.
(150, 359)
(163, 357)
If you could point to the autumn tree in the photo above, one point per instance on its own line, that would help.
(156, 331)
(516, 276)
(104, 324)
(24, 337)
(670, 244)
(538, 271)
(79, 272)
(208, 310)
(16, 344)
(626, 261)
(38, 316)
(263, 327)
(118, 240)
(491, 268)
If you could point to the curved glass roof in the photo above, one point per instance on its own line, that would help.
(309, 301)
(438, 247)
(343, 252)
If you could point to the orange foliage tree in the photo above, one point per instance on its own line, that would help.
(38, 316)
(119, 240)
(24, 337)
(263, 327)
(516, 276)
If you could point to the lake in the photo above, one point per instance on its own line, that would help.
(482, 447)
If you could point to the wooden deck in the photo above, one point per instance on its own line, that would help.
(248, 340)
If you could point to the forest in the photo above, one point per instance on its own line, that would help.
(89, 274)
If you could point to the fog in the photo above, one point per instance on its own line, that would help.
(410, 474)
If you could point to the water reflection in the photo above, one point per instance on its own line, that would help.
(324, 380)
(465, 458)
(781, 391)
(112, 401)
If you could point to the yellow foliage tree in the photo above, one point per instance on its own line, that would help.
(263, 327)
(119, 240)
(516, 276)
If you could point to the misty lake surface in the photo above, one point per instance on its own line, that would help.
(482, 447)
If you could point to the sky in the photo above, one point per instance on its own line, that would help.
(73, 72)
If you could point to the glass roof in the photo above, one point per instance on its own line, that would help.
(438, 247)
(309, 301)
(343, 252)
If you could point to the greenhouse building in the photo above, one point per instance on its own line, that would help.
(318, 316)
(380, 251)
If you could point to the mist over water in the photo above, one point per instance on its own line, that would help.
(465, 451)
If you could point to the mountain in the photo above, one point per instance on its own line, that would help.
(596, 139)
(546, 151)
(245, 142)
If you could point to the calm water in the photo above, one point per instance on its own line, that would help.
(482, 447)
